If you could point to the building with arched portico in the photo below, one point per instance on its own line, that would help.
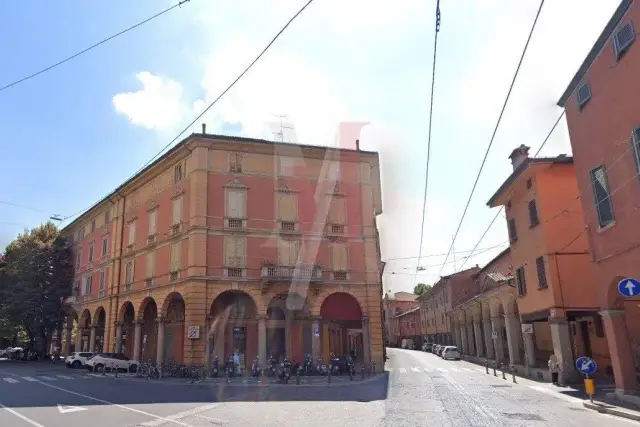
(230, 244)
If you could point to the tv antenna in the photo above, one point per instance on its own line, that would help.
(280, 134)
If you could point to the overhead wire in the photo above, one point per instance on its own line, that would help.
(495, 130)
(212, 103)
(426, 178)
(93, 46)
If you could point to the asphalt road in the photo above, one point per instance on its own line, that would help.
(419, 390)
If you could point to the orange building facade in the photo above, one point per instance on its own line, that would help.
(392, 306)
(555, 310)
(230, 244)
(604, 127)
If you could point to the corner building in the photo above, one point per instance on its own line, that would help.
(232, 244)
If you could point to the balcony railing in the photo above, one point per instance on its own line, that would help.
(286, 273)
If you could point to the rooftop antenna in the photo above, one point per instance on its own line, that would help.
(280, 134)
(454, 258)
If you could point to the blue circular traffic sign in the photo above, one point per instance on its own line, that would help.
(586, 365)
(629, 287)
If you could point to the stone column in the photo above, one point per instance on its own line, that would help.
(160, 342)
(118, 342)
(529, 350)
(366, 343)
(488, 341)
(67, 342)
(262, 339)
(477, 329)
(470, 339)
(463, 338)
(288, 318)
(207, 342)
(496, 326)
(561, 339)
(79, 333)
(458, 337)
(615, 329)
(137, 338)
(315, 340)
(92, 338)
(218, 341)
(514, 331)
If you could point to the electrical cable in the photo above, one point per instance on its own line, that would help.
(93, 46)
(495, 130)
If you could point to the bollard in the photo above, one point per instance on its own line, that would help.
(486, 366)
(504, 368)
(350, 372)
(115, 370)
(494, 369)
(104, 370)
(373, 368)
(513, 373)
(298, 376)
(362, 371)
(329, 376)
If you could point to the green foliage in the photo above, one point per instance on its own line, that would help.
(421, 288)
(35, 278)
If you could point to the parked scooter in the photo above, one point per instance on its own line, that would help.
(215, 367)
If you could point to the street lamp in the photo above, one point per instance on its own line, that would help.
(55, 218)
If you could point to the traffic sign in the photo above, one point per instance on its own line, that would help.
(629, 287)
(586, 365)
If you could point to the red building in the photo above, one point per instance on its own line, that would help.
(604, 125)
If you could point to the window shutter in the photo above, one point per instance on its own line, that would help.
(293, 253)
(177, 211)
(240, 252)
(622, 38)
(339, 257)
(287, 207)
(128, 276)
(153, 216)
(151, 264)
(104, 246)
(513, 235)
(132, 233)
(175, 257)
(102, 280)
(283, 252)
(533, 214)
(234, 204)
(337, 210)
(91, 252)
(230, 251)
(542, 273)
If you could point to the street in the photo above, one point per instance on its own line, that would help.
(419, 389)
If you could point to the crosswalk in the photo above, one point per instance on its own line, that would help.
(428, 370)
(41, 378)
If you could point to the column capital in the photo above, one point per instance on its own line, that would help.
(557, 320)
(117, 323)
(161, 319)
(262, 317)
(316, 318)
(611, 313)
(138, 322)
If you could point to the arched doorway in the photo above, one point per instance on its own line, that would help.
(70, 332)
(174, 328)
(342, 329)
(288, 327)
(148, 315)
(128, 318)
(84, 330)
(100, 322)
(235, 328)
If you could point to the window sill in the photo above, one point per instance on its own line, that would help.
(607, 227)
(543, 288)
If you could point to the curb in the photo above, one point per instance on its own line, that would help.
(252, 385)
(612, 410)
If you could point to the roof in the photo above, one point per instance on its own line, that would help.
(498, 277)
(595, 50)
(212, 137)
(561, 159)
(411, 310)
(495, 259)
(440, 283)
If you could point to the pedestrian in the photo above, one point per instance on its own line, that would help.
(554, 368)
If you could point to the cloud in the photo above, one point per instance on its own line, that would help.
(157, 105)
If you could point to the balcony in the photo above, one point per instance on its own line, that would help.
(281, 273)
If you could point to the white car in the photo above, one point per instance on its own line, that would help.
(77, 360)
(450, 352)
(109, 361)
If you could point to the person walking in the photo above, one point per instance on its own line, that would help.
(554, 368)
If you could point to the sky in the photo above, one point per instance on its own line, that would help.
(73, 134)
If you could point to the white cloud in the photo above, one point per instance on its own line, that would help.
(157, 105)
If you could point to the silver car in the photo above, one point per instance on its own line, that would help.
(450, 352)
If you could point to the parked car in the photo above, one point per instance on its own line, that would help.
(426, 347)
(450, 352)
(436, 348)
(101, 361)
(78, 360)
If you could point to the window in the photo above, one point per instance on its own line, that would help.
(175, 257)
(635, 140)
(93, 225)
(177, 173)
(287, 226)
(522, 283)
(132, 233)
(153, 216)
(529, 184)
(102, 280)
(234, 272)
(78, 258)
(533, 214)
(601, 196)
(151, 264)
(236, 203)
(513, 235)
(542, 273)
(176, 211)
(583, 96)
(87, 285)
(623, 37)
(235, 162)
(339, 257)
(128, 273)
(91, 252)
(104, 246)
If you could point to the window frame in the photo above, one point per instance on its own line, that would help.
(592, 173)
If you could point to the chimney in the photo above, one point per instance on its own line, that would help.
(204, 128)
(519, 155)
(358, 144)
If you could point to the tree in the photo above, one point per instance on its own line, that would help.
(421, 288)
(35, 278)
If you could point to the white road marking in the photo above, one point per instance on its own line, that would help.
(64, 377)
(11, 380)
(427, 369)
(456, 370)
(128, 408)
(180, 415)
(22, 417)
(402, 370)
(29, 379)
(468, 370)
(44, 377)
(63, 409)
(441, 370)
(415, 369)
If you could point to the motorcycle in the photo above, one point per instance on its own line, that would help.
(215, 367)
(321, 368)
(255, 367)
(284, 372)
(307, 366)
